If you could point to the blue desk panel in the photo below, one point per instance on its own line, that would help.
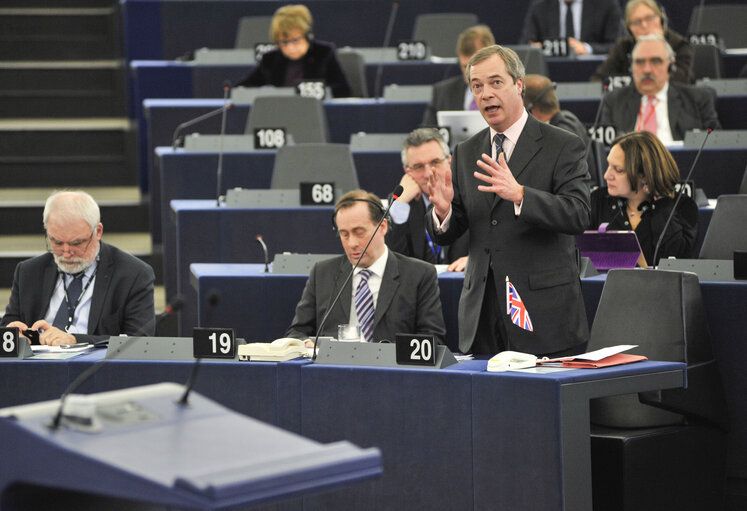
(206, 233)
(450, 439)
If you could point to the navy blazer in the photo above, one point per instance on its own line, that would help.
(319, 63)
(122, 301)
(535, 249)
(409, 300)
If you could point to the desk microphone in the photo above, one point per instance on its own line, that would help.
(212, 300)
(679, 196)
(387, 38)
(176, 138)
(219, 174)
(395, 195)
(264, 250)
(170, 308)
(591, 138)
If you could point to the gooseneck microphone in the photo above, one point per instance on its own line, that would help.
(395, 195)
(171, 308)
(387, 38)
(679, 196)
(597, 159)
(219, 173)
(265, 252)
(176, 138)
(212, 299)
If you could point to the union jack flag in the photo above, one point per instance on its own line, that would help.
(516, 308)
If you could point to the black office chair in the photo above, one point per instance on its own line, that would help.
(354, 67)
(252, 30)
(314, 163)
(666, 449)
(707, 61)
(726, 20)
(303, 118)
(440, 31)
(726, 231)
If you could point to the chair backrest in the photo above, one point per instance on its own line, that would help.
(303, 118)
(532, 58)
(707, 61)
(440, 31)
(314, 163)
(395, 92)
(354, 67)
(662, 312)
(726, 232)
(725, 20)
(252, 30)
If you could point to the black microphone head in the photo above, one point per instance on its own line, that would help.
(397, 191)
(213, 298)
(227, 84)
(174, 305)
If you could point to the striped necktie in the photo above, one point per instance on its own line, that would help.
(498, 141)
(364, 306)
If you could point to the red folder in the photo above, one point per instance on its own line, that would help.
(612, 360)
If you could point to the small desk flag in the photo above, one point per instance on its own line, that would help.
(516, 308)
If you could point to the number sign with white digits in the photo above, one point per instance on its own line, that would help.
(269, 138)
(415, 349)
(317, 194)
(214, 342)
(9, 345)
(412, 50)
(311, 89)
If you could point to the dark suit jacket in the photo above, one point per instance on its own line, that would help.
(122, 301)
(319, 63)
(689, 108)
(447, 95)
(408, 302)
(535, 250)
(600, 23)
(409, 238)
(567, 120)
(618, 59)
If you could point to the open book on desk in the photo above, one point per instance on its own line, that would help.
(605, 357)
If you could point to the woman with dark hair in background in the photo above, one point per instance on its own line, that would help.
(640, 195)
(299, 56)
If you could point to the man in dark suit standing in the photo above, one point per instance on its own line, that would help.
(595, 24)
(653, 102)
(453, 93)
(82, 290)
(423, 150)
(388, 294)
(519, 186)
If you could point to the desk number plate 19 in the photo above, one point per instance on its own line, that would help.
(214, 342)
(413, 349)
(317, 194)
(269, 138)
(9, 342)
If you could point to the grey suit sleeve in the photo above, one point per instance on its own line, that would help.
(430, 313)
(566, 208)
(304, 324)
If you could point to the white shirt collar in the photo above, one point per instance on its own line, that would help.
(378, 266)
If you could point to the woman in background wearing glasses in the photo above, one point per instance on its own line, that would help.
(299, 56)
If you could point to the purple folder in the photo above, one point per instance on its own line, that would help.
(609, 249)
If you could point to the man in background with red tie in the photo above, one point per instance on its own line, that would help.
(389, 293)
(654, 103)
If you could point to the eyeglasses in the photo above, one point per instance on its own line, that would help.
(654, 61)
(420, 167)
(288, 42)
(646, 19)
(75, 247)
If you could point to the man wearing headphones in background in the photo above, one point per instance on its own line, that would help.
(453, 93)
(595, 24)
(82, 290)
(299, 57)
(653, 103)
(642, 18)
(423, 151)
(389, 293)
(542, 102)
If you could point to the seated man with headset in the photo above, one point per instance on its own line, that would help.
(653, 102)
(388, 294)
(299, 56)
